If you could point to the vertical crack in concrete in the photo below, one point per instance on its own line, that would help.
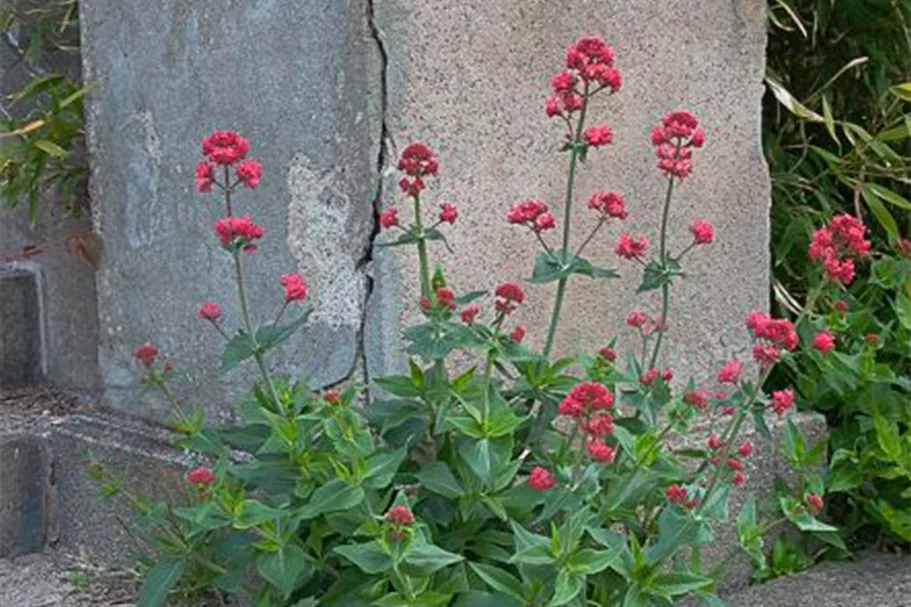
(363, 264)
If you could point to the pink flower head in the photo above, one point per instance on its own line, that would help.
(697, 398)
(448, 213)
(600, 424)
(425, 303)
(225, 147)
(509, 295)
(814, 503)
(703, 232)
(146, 354)
(531, 213)
(734, 464)
(730, 372)
(544, 222)
(209, 311)
(608, 354)
(553, 107)
(468, 314)
(571, 408)
(540, 479)
(838, 244)
(205, 177)
(599, 451)
(249, 172)
(389, 218)
(417, 161)
(518, 334)
(745, 449)
(201, 476)
(445, 298)
(714, 443)
(840, 306)
(824, 342)
(629, 247)
(563, 82)
(739, 478)
(648, 377)
(766, 354)
(332, 397)
(676, 494)
(608, 204)
(674, 140)
(777, 331)
(781, 401)
(668, 374)
(597, 136)
(593, 61)
(400, 515)
(295, 287)
(238, 231)
(637, 319)
(593, 396)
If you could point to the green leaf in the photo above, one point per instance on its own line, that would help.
(429, 558)
(676, 528)
(677, 583)
(889, 196)
(589, 562)
(655, 276)
(333, 496)
(902, 91)
(49, 147)
(160, 580)
(284, 567)
(790, 103)
(477, 454)
(369, 557)
(272, 336)
(500, 580)
(635, 597)
(255, 513)
(549, 267)
(827, 116)
(239, 349)
(566, 588)
(399, 385)
(887, 437)
(381, 468)
(880, 212)
(438, 478)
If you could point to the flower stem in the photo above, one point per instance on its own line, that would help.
(422, 248)
(567, 221)
(488, 367)
(666, 287)
(601, 222)
(228, 190)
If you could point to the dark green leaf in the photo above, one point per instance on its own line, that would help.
(369, 557)
(284, 567)
(160, 580)
(334, 495)
(438, 478)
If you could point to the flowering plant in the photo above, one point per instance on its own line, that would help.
(519, 481)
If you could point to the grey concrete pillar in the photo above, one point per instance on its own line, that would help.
(20, 329)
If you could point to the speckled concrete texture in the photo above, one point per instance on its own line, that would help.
(301, 80)
(471, 77)
(875, 580)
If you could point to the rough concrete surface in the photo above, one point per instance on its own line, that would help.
(875, 580)
(20, 330)
(24, 501)
(471, 78)
(301, 80)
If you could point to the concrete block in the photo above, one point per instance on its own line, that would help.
(25, 509)
(20, 329)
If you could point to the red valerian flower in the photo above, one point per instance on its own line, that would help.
(739, 478)
(446, 298)
(814, 503)
(703, 232)
(766, 354)
(668, 374)
(238, 231)
(332, 397)
(593, 396)
(871, 338)
(697, 398)
(448, 213)
(674, 140)
(608, 354)
(518, 334)
(225, 147)
(600, 424)
(593, 61)
(417, 161)
(637, 319)
(540, 479)
(597, 136)
(389, 218)
(295, 287)
(629, 247)
(730, 372)
(209, 311)
(840, 306)
(781, 401)
(676, 494)
(468, 314)
(248, 173)
(563, 82)
(838, 244)
(400, 515)
(734, 464)
(777, 331)
(509, 295)
(608, 204)
(648, 377)
(544, 222)
(201, 476)
(714, 442)
(824, 342)
(745, 448)
(205, 177)
(531, 213)
(599, 451)
(146, 354)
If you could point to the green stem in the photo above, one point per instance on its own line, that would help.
(422, 248)
(228, 190)
(601, 222)
(257, 355)
(488, 367)
(666, 287)
(567, 222)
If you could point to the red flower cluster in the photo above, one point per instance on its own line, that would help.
(703, 232)
(824, 342)
(509, 296)
(678, 495)
(777, 333)
(648, 377)
(400, 515)
(586, 399)
(540, 479)
(730, 372)
(838, 245)
(332, 397)
(814, 503)
(248, 173)
(448, 213)
(205, 177)
(589, 62)
(295, 287)
(389, 218)
(608, 204)
(608, 354)
(417, 161)
(225, 147)
(518, 334)
(201, 476)
(674, 140)
(745, 449)
(629, 247)
(599, 451)
(209, 311)
(781, 401)
(238, 231)
(445, 298)
(637, 319)
(532, 213)
(469, 314)
(597, 136)
(146, 354)
(697, 398)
